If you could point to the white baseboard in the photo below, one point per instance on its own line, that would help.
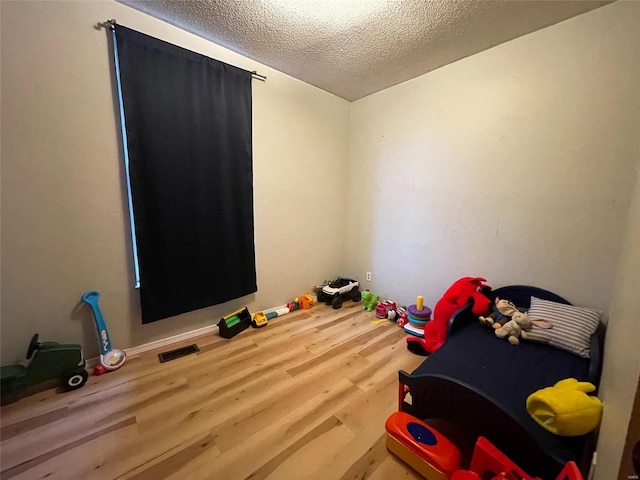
(92, 362)
(169, 340)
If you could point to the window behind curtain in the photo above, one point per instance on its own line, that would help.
(187, 131)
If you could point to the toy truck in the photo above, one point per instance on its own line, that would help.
(336, 291)
(49, 360)
(382, 309)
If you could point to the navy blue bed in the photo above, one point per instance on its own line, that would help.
(481, 383)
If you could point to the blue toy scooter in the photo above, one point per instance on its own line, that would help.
(110, 358)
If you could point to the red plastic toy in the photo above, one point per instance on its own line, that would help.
(490, 463)
(435, 457)
(403, 318)
(382, 309)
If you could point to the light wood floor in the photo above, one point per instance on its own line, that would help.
(304, 398)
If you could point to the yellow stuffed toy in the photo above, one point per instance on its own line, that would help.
(566, 409)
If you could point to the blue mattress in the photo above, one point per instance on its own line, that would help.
(475, 357)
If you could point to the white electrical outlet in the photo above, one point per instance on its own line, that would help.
(368, 276)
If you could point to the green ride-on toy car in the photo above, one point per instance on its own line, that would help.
(50, 360)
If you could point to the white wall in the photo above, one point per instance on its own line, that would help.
(515, 164)
(518, 164)
(64, 224)
(622, 359)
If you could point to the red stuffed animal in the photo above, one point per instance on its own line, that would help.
(458, 294)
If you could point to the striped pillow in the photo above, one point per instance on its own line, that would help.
(572, 326)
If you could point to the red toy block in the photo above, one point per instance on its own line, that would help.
(487, 458)
(465, 475)
(570, 472)
(490, 463)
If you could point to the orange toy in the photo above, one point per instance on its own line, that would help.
(426, 450)
(306, 301)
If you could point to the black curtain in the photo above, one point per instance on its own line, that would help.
(188, 131)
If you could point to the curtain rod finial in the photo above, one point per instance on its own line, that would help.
(256, 75)
(110, 24)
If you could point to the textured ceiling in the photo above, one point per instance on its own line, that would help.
(353, 48)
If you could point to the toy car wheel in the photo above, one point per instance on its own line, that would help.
(75, 379)
(356, 296)
(337, 302)
(320, 296)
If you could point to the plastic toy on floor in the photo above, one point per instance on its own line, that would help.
(48, 361)
(234, 323)
(489, 463)
(335, 292)
(305, 301)
(418, 315)
(425, 449)
(383, 308)
(369, 300)
(259, 320)
(402, 317)
(435, 457)
(110, 358)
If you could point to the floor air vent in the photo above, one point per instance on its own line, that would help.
(177, 353)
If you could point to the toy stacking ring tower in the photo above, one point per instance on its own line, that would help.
(418, 315)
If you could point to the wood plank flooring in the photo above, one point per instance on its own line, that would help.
(304, 398)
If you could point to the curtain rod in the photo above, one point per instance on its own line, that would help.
(111, 25)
